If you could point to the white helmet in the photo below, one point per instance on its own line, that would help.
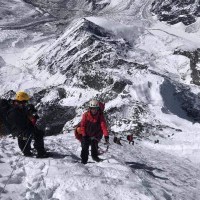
(94, 103)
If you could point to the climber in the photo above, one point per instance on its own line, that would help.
(93, 127)
(23, 125)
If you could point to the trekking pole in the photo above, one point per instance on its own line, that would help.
(3, 189)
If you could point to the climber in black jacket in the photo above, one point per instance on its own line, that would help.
(23, 126)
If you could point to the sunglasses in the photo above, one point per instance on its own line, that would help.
(94, 108)
(22, 102)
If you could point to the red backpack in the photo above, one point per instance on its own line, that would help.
(77, 132)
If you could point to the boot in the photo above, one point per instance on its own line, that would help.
(42, 154)
(28, 154)
(84, 162)
(45, 155)
(96, 158)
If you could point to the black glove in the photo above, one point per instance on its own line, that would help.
(106, 139)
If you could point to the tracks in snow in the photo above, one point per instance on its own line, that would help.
(148, 172)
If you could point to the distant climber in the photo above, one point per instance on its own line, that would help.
(93, 127)
(22, 120)
(130, 139)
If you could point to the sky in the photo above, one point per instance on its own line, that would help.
(168, 170)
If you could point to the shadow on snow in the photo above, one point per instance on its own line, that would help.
(149, 170)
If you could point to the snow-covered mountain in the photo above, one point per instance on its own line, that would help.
(147, 71)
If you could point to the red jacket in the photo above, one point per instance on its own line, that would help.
(93, 125)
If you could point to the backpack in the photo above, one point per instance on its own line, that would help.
(77, 130)
(5, 106)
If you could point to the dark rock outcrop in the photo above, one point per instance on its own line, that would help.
(194, 57)
(54, 117)
(175, 11)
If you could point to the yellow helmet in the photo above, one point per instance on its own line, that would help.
(22, 96)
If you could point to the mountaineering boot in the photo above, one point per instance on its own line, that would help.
(42, 154)
(84, 162)
(96, 158)
(28, 154)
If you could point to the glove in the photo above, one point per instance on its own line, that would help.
(107, 139)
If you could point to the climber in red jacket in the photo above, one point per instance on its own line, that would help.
(93, 127)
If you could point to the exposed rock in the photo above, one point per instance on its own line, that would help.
(97, 81)
(119, 86)
(190, 102)
(175, 11)
(194, 62)
(180, 100)
(61, 93)
(86, 61)
(54, 117)
(96, 6)
(9, 95)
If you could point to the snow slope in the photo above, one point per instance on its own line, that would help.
(128, 172)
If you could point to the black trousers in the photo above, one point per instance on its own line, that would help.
(24, 141)
(39, 141)
(86, 142)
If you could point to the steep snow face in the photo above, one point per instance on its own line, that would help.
(12, 12)
(138, 172)
(65, 9)
(22, 24)
(175, 11)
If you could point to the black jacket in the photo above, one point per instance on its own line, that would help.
(19, 122)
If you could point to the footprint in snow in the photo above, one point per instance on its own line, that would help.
(15, 179)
